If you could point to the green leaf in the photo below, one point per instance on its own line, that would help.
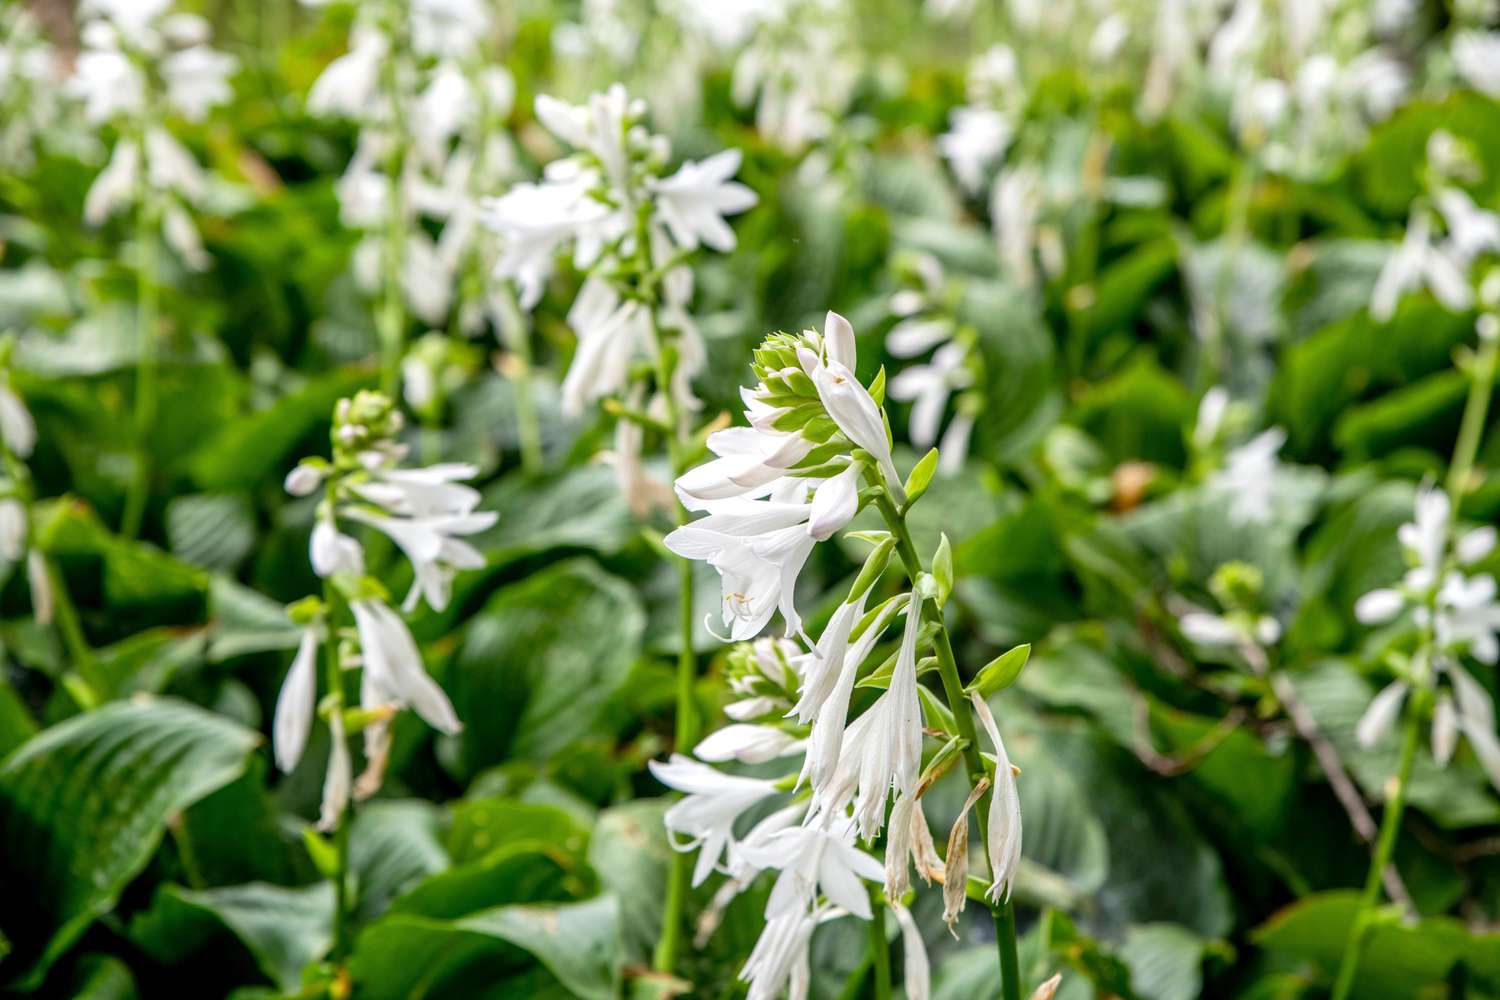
(394, 845)
(1165, 960)
(410, 957)
(284, 929)
(481, 825)
(921, 477)
(522, 871)
(540, 662)
(1001, 672)
(629, 851)
(1399, 961)
(84, 805)
(212, 530)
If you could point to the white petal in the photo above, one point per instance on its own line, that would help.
(1379, 606)
(1381, 715)
(294, 706)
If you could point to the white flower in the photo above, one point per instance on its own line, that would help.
(888, 744)
(610, 332)
(1425, 536)
(1005, 810)
(393, 667)
(333, 552)
(846, 400)
(107, 82)
(1249, 477)
(39, 580)
(780, 955)
(1211, 410)
(1417, 261)
(928, 388)
(750, 461)
(1471, 229)
(1468, 617)
(12, 529)
(916, 334)
(197, 79)
(534, 221)
(17, 428)
(1015, 208)
(693, 201)
(448, 28)
(1379, 606)
(1477, 54)
(1381, 714)
(747, 744)
(758, 547)
(816, 858)
(1208, 629)
(707, 814)
(976, 140)
(835, 502)
(348, 84)
(295, 704)
(430, 543)
(339, 778)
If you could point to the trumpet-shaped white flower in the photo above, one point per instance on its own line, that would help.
(888, 743)
(197, 80)
(847, 401)
(295, 704)
(333, 552)
(12, 529)
(928, 387)
(692, 202)
(713, 802)
(394, 674)
(747, 744)
(348, 84)
(17, 428)
(431, 544)
(1005, 810)
(1477, 55)
(751, 461)
(779, 959)
(1249, 477)
(975, 141)
(816, 858)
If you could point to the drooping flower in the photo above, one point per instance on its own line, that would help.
(816, 858)
(295, 704)
(1005, 810)
(394, 674)
(713, 802)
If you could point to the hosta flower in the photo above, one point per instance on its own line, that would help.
(693, 201)
(17, 428)
(816, 859)
(432, 545)
(747, 744)
(975, 141)
(1477, 55)
(1005, 810)
(713, 802)
(295, 704)
(348, 84)
(928, 388)
(779, 960)
(12, 529)
(393, 670)
(1249, 477)
(888, 746)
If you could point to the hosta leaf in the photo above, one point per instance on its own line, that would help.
(212, 530)
(394, 844)
(411, 957)
(283, 928)
(84, 804)
(540, 662)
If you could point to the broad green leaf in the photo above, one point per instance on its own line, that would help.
(1399, 961)
(212, 530)
(540, 662)
(394, 844)
(481, 825)
(283, 928)
(629, 851)
(84, 804)
(1165, 960)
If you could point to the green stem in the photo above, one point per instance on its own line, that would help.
(335, 677)
(1476, 408)
(146, 321)
(1390, 825)
(392, 318)
(1005, 941)
(953, 693)
(880, 948)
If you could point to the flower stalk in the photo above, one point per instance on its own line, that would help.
(147, 318)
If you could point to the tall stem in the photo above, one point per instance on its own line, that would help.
(515, 336)
(335, 676)
(686, 721)
(953, 693)
(1390, 825)
(146, 320)
(1471, 429)
(391, 323)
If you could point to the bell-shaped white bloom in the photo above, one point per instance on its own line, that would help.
(39, 581)
(1425, 536)
(338, 781)
(393, 667)
(692, 202)
(108, 83)
(432, 545)
(448, 29)
(779, 959)
(1474, 545)
(1005, 810)
(847, 401)
(295, 704)
(1417, 261)
(1381, 714)
(597, 126)
(430, 491)
(1477, 55)
(816, 858)
(890, 750)
(822, 666)
(610, 332)
(713, 802)
(975, 141)
(348, 84)
(749, 461)
(17, 428)
(747, 744)
(534, 221)
(917, 334)
(1249, 477)
(333, 552)
(1444, 729)
(304, 479)
(835, 502)
(928, 387)
(1015, 210)
(197, 79)
(759, 548)
(1468, 616)
(1471, 230)
(12, 529)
